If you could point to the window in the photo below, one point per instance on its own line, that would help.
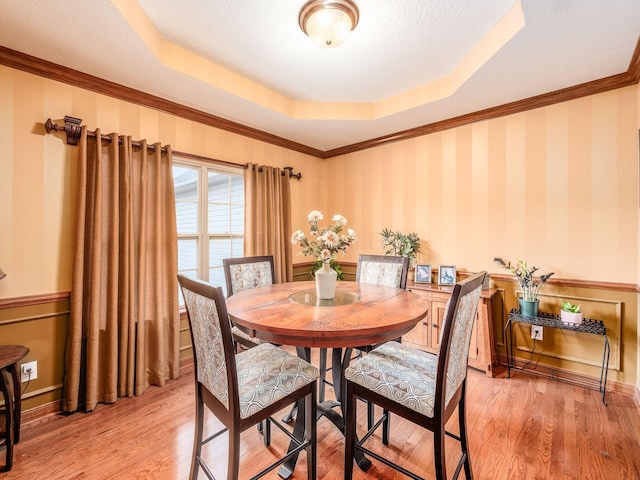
(209, 218)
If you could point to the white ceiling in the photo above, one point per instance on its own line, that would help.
(398, 45)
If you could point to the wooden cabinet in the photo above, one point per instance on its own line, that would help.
(426, 335)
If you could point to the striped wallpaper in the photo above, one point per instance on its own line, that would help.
(556, 186)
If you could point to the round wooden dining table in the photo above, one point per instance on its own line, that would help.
(360, 314)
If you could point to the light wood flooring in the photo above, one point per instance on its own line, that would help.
(525, 427)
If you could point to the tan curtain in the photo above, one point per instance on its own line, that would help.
(123, 332)
(267, 203)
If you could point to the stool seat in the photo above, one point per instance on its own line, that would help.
(10, 355)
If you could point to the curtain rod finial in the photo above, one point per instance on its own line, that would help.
(291, 174)
(49, 126)
(72, 127)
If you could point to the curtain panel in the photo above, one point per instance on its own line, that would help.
(123, 332)
(267, 206)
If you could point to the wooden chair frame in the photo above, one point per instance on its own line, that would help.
(230, 416)
(442, 410)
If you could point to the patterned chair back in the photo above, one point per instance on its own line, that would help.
(383, 270)
(213, 350)
(244, 273)
(459, 317)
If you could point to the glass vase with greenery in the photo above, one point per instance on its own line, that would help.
(396, 243)
(317, 265)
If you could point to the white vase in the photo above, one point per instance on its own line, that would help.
(326, 282)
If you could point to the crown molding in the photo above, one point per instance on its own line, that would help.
(37, 66)
(53, 71)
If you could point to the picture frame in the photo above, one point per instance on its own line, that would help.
(423, 273)
(446, 275)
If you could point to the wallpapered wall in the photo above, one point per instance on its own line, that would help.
(555, 186)
(37, 170)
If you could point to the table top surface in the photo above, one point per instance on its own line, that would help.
(10, 354)
(275, 313)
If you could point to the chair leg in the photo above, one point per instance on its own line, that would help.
(311, 429)
(266, 432)
(438, 453)
(386, 427)
(462, 419)
(370, 415)
(350, 431)
(197, 439)
(233, 468)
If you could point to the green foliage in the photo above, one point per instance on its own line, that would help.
(395, 243)
(570, 307)
(525, 275)
(333, 264)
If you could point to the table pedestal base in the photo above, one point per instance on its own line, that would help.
(340, 358)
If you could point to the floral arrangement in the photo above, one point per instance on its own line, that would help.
(325, 242)
(524, 274)
(395, 243)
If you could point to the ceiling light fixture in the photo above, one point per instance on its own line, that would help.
(328, 22)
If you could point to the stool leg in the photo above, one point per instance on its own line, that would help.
(9, 413)
(17, 403)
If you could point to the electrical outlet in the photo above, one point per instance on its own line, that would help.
(29, 371)
(536, 332)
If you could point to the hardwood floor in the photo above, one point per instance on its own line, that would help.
(525, 427)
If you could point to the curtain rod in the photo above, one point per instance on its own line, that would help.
(288, 170)
(73, 128)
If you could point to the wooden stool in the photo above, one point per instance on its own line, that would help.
(10, 355)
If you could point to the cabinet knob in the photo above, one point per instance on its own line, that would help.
(434, 325)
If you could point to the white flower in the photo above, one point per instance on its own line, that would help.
(297, 236)
(331, 239)
(339, 219)
(324, 242)
(314, 216)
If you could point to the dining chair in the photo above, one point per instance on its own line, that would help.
(242, 389)
(386, 270)
(422, 387)
(244, 273)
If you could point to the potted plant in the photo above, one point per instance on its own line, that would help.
(396, 243)
(529, 285)
(570, 313)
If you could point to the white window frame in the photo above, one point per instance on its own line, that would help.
(202, 237)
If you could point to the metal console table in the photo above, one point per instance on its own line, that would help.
(588, 325)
